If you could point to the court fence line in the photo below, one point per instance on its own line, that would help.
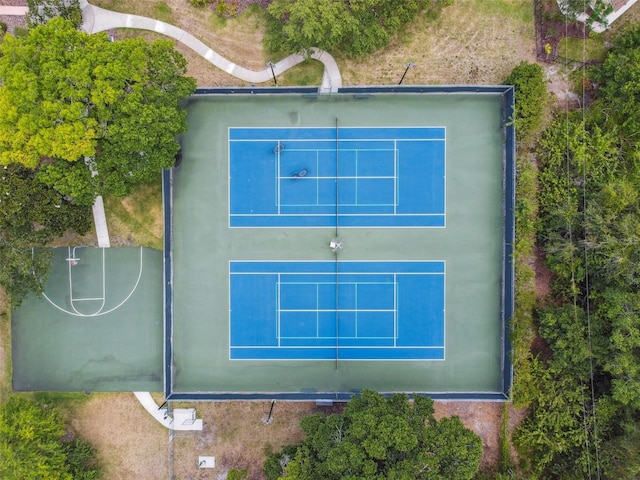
(507, 284)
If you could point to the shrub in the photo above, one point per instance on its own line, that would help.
(530, 95)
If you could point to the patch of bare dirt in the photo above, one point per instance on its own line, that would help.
(558, 85)
(13, 21)
(235, 433)
(544, 277)
(484, 418)
(130, 443)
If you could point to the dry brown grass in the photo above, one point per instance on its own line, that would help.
(238, 39)
(130, 443)
(472, 42)
(235, 434)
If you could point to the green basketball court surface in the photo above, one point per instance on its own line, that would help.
(340, 319)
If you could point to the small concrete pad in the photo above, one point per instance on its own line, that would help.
(206, 462)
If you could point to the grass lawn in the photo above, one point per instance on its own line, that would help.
(579, 49)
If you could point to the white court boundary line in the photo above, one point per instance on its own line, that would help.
(396, 154)
(355, 310)
(70, 263)
(99, 313)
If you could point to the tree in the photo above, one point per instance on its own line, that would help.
(355, 27)
(23, 270)
(378, 437)
(31, 214)
(91, 116)
(31, 447)
(41, 11)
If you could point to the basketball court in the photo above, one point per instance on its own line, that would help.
(98, 326)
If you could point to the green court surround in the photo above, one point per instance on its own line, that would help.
(475, 245)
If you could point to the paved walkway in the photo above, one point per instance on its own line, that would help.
(100, 221)
(13, 11)
(183, 418)
(98, 19)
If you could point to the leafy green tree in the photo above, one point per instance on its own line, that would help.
(31, 214)
(31, 447)
(23, 270)
(91, 116)
(41, 11)
(378, 437)
(355, 27)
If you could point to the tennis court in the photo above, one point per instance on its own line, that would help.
(320, 177)
(342, 311)
(323, 244)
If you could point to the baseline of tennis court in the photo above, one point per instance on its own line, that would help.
(357, 177)
(330, 311)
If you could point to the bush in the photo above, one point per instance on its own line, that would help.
(199, 3)
(237, 474)
(3, 28)
(226, 9)
(530, 95)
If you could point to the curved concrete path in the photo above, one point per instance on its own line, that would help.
(96, 19)
(183, 418)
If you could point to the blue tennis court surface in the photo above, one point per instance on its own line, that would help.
(362, 311)
(359, 177)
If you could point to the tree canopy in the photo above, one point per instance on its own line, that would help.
(355, 27)
(584, 367)
(31, 214)
(90, 116)
(380, 438)
(31, 446)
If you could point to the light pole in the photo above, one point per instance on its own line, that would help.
(407, 66)
(271, 65)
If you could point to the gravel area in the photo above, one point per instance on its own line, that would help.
(13, 21)
(241, 4)
(14, 3)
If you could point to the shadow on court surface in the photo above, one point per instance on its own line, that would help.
(98, 326)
